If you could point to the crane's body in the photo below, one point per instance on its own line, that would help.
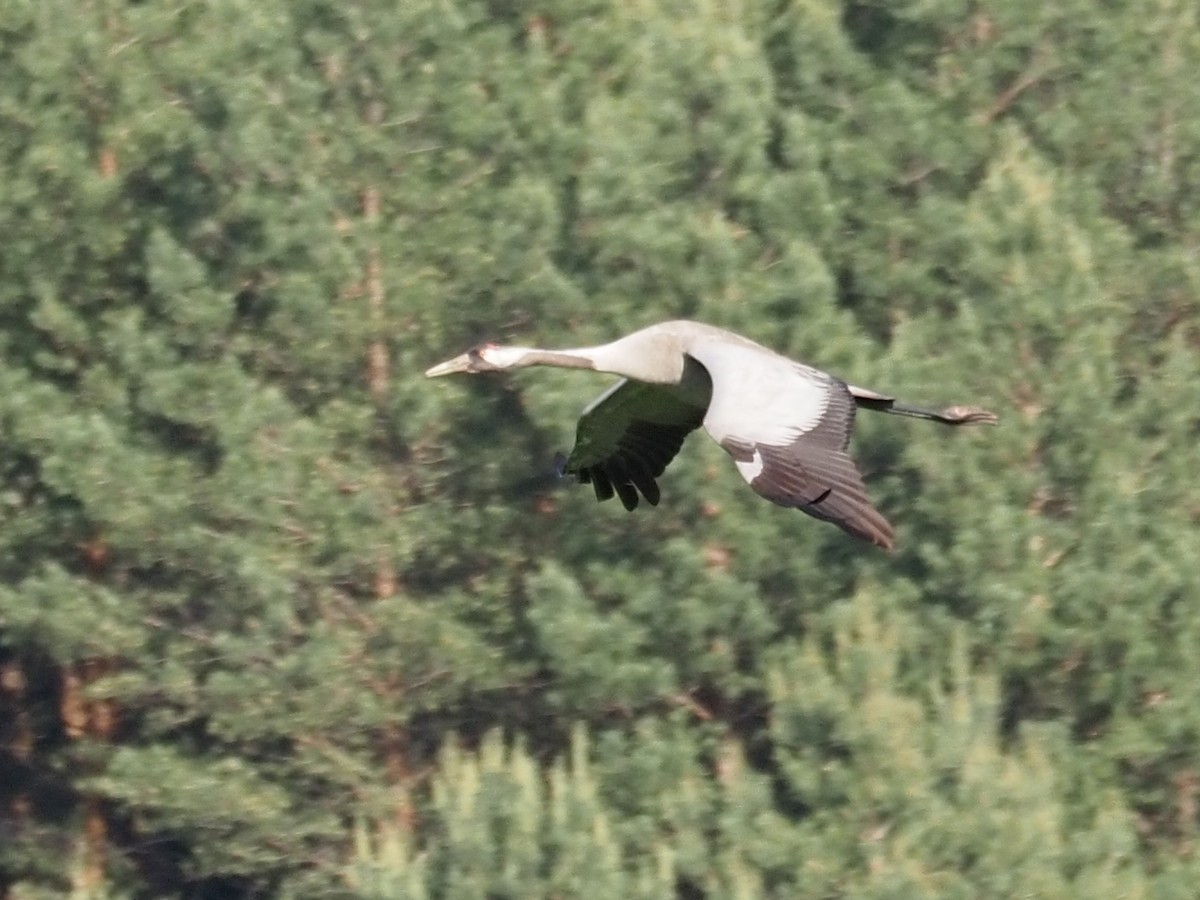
(786, 425)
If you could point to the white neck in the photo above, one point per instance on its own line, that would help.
(642, 356)
(506, 357)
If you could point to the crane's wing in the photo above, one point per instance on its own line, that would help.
(626, 437)
(787, 427)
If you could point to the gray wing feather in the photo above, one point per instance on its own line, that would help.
(787, 427)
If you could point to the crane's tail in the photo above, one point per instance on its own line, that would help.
(949, 415)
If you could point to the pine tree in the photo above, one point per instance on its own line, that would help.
(279, 617)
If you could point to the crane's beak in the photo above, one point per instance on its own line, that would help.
(450, 366)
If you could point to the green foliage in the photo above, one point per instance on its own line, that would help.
(502, 827)
(277, 616)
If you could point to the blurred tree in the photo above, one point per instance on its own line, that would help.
(254, 571)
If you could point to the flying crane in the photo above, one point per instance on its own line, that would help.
(786, 425)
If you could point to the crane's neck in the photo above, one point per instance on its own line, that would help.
(639, 356)
(522, 357)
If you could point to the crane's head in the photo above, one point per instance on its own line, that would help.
(489, 357)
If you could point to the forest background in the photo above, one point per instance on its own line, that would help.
(278, 617)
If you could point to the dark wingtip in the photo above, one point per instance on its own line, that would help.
(628, 494)
(608, 483)
(651, 492)
(601, 484)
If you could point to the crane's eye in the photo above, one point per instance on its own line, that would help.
(479, 353)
